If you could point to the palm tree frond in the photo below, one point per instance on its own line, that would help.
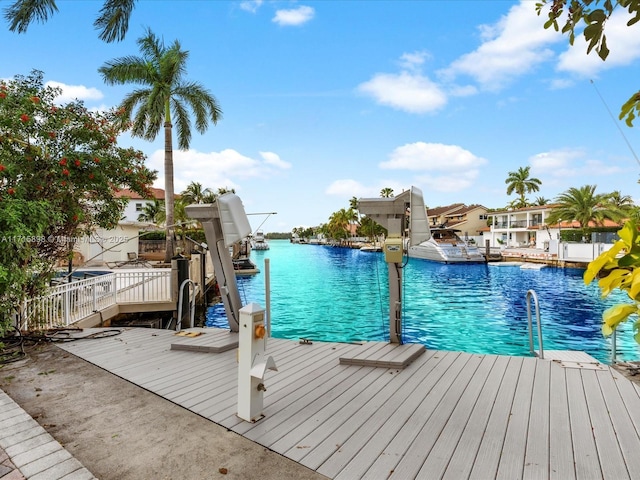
(113, 20)
(22, 13)
(129, 69)
(182, 123)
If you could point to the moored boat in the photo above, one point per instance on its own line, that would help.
(259, 242)
(437, 244)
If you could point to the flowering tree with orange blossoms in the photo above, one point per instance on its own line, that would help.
(60, 166)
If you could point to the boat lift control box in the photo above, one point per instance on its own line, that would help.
(393, 250)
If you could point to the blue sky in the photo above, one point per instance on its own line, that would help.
(326, 100)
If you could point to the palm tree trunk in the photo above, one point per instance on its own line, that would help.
(168, 192)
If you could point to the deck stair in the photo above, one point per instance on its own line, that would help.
(384, 355)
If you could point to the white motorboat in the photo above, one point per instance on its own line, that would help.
(437, 244)
(258, 242)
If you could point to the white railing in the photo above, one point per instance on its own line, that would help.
(137, 286)
(68, 303)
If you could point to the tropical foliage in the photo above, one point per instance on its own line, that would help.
(112, 21)
(589, 17)
(59, 168)
(584, 206)
(153, 213)
(521, 183)
(619, 268)
(166, 98)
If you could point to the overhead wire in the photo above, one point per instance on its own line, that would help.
(616, 123)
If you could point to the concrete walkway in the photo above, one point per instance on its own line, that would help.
(27, 451)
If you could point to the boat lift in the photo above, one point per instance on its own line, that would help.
(391, 214)
(225, 223)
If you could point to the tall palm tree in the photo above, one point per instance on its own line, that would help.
(112, 22)
(520, 182)
(386, 192)
(160, 71)
(540, 201)
(353, 205)
(583, 205)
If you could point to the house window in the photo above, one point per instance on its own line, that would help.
(483, 217)
(138, 207)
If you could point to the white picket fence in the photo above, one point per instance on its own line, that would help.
(68, 303)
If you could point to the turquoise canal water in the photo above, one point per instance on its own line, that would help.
(341, 295)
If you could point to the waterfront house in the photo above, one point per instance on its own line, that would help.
(137, 203)
(469, 219)
(522, 227)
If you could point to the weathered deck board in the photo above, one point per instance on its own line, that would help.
(561, 456)
(585, 449)
(536, 459)
(447, 415)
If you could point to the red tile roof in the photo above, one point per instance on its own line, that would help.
(157, 193)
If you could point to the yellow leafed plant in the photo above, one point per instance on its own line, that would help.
(619, 269)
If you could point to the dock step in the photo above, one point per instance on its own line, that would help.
(384, 355)
(206, 340)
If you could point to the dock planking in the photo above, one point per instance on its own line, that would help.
(447, 415)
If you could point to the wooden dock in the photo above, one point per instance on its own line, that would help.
(446, 415)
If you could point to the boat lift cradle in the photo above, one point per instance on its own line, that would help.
(225, 223)
(390, 213)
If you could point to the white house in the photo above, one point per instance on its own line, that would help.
(527, 228)
(137, 203)
(522, 227)
(106, 247)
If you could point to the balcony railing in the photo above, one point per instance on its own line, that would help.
(518, 224)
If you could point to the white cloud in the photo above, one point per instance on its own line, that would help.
(512, 47)
(295, 16)
(251, 6)
(448, 183)
(432, 157)
(347, 188)
(413, 61)
(413, 93)
(75, 92)
(556, 163)
(570, 166)
(274, 159)
(215, 169)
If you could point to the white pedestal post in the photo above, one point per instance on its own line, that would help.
(252, 362)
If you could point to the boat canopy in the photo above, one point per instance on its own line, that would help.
(419, 223)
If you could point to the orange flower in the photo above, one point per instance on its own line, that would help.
(77, 162)
(63, 162)
(65, 172)
(24, 117)
(11, 191)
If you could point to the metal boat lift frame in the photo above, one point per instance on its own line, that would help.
(391, 214)
(225, 223)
